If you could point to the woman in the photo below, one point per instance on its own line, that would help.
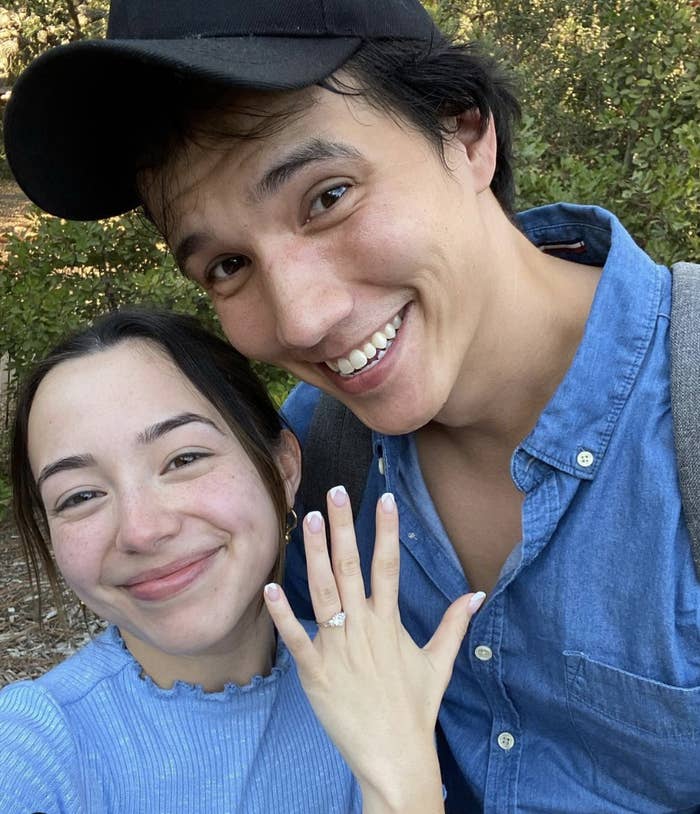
(149, 459)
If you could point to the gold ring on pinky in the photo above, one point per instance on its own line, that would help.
(337, 620)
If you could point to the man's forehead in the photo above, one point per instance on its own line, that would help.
(267, 135)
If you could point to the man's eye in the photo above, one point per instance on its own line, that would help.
(77, 498)
(227, 267)
(321, 203)
(185, 459)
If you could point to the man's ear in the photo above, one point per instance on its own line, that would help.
(288, 457)
(479, 148)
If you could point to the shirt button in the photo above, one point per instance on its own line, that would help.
(483, 652)
(506, 741)
(380, 466)
(585, 458)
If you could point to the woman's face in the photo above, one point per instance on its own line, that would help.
(158, 519)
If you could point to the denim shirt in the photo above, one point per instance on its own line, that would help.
(577, 688)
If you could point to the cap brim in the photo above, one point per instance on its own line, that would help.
(75, 122)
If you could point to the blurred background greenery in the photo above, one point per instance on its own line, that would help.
(611, 101)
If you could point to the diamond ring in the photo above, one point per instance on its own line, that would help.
(337, 620)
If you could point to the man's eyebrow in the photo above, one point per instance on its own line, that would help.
(302, 155)
(315, 149)
(189, 246)
(63, 464)
(155, 431)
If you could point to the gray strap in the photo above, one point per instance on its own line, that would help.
(338, 450)
(685, 392)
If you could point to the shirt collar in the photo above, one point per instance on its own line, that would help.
(573, 431)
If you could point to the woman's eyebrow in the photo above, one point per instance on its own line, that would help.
(155, 431)
(316, 149)
(62, 464)
(149, 435)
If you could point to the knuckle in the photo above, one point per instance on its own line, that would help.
(328, 594)
(348, 566)
(388, 566)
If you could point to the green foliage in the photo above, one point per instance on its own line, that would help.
(29, 27)
(611, 101)
(63, 274)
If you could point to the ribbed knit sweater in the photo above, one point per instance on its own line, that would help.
(93, 736)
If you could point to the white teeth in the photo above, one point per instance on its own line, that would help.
(369, 350)
(379, 340)
(358, 358)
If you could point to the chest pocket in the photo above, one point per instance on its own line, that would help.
(643, 737)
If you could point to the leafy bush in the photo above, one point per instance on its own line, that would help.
(611, 100)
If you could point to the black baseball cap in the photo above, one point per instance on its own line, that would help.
(77, 118)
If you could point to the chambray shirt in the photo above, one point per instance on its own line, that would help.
(577, 688)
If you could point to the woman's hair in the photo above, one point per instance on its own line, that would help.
(222, 375)
(424, 85)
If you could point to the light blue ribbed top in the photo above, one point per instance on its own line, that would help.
(93, 736)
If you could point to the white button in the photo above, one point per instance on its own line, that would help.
(506, 741)
(585, 458)
(411, 535)
(483, 652)
(380, 464)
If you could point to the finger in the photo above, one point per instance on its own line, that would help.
(385, 560)
(322, 586)
(344, 554)
(447, 639)
(292, 632)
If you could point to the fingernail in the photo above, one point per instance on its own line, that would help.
(476, 601)
(387, 502)
(272, 591)
(314, 521)
(339, 496)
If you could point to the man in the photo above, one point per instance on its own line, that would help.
(337, 177)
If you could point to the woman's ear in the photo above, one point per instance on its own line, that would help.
(478, 148)
(288, 457)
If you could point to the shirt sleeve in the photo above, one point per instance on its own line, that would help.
(40, 766)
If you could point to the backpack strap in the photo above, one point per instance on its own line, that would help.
(338, 450)
(685, 393)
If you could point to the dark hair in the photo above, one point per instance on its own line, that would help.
(421, 83)
(221, 374)
(425, 84)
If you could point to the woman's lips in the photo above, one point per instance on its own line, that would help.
(152, 587)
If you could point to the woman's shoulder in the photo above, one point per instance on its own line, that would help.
(38, 755)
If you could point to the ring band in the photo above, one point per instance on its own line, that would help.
(337, 620)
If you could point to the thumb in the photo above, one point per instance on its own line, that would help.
(447, 639)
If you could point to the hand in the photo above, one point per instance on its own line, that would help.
(375, 691)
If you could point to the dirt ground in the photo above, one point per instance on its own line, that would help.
(26, 649)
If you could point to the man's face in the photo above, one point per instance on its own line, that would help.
(342, 249)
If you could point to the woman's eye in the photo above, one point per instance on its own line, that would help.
(78, 498)
(185, 459)
(227, 267)
(323, 202)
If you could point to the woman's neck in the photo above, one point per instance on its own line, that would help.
(248, 651)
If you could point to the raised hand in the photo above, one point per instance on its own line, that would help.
(374, 690)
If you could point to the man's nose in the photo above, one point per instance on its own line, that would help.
(311, 295)
(145, 520)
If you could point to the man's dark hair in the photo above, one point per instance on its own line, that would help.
(422, 84)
